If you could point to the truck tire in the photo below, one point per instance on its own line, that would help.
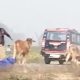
(61, 61)
(46, 60)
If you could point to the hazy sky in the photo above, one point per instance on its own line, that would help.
(33, 16)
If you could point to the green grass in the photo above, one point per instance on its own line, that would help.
(34, 55)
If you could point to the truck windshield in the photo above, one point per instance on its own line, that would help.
(56, 36)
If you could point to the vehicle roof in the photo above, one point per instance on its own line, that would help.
(61, 29)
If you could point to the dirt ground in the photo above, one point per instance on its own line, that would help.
(35, 71)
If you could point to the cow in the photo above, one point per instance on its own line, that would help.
(21, 50)
(73, 53)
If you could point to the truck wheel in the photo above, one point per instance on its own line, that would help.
(47, 60)
(61, 61)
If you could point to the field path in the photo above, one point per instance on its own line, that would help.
(34, 71)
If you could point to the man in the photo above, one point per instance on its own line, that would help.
(2, 33)
(2, 42)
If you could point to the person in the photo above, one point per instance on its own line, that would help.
(2, 34)
(2, 42)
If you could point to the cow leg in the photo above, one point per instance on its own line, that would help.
(14, 51)
(73, 57)
(68, 57)
(25, 56)
(19, 58)
(23, 63)
(24, 60)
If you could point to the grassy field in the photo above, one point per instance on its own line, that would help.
(35, 69)
(34, 55)
(14, 73)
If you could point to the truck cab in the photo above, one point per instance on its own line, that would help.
(54, 45)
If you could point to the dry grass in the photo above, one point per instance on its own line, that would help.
(40, 72)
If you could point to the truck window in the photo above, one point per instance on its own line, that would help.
(56, 36)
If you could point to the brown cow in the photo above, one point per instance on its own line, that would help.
(21, 49)
(74, 53)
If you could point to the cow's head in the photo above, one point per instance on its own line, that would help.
(30, 40)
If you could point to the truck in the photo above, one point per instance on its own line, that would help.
(55, 43)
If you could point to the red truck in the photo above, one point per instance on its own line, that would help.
(55, 43)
